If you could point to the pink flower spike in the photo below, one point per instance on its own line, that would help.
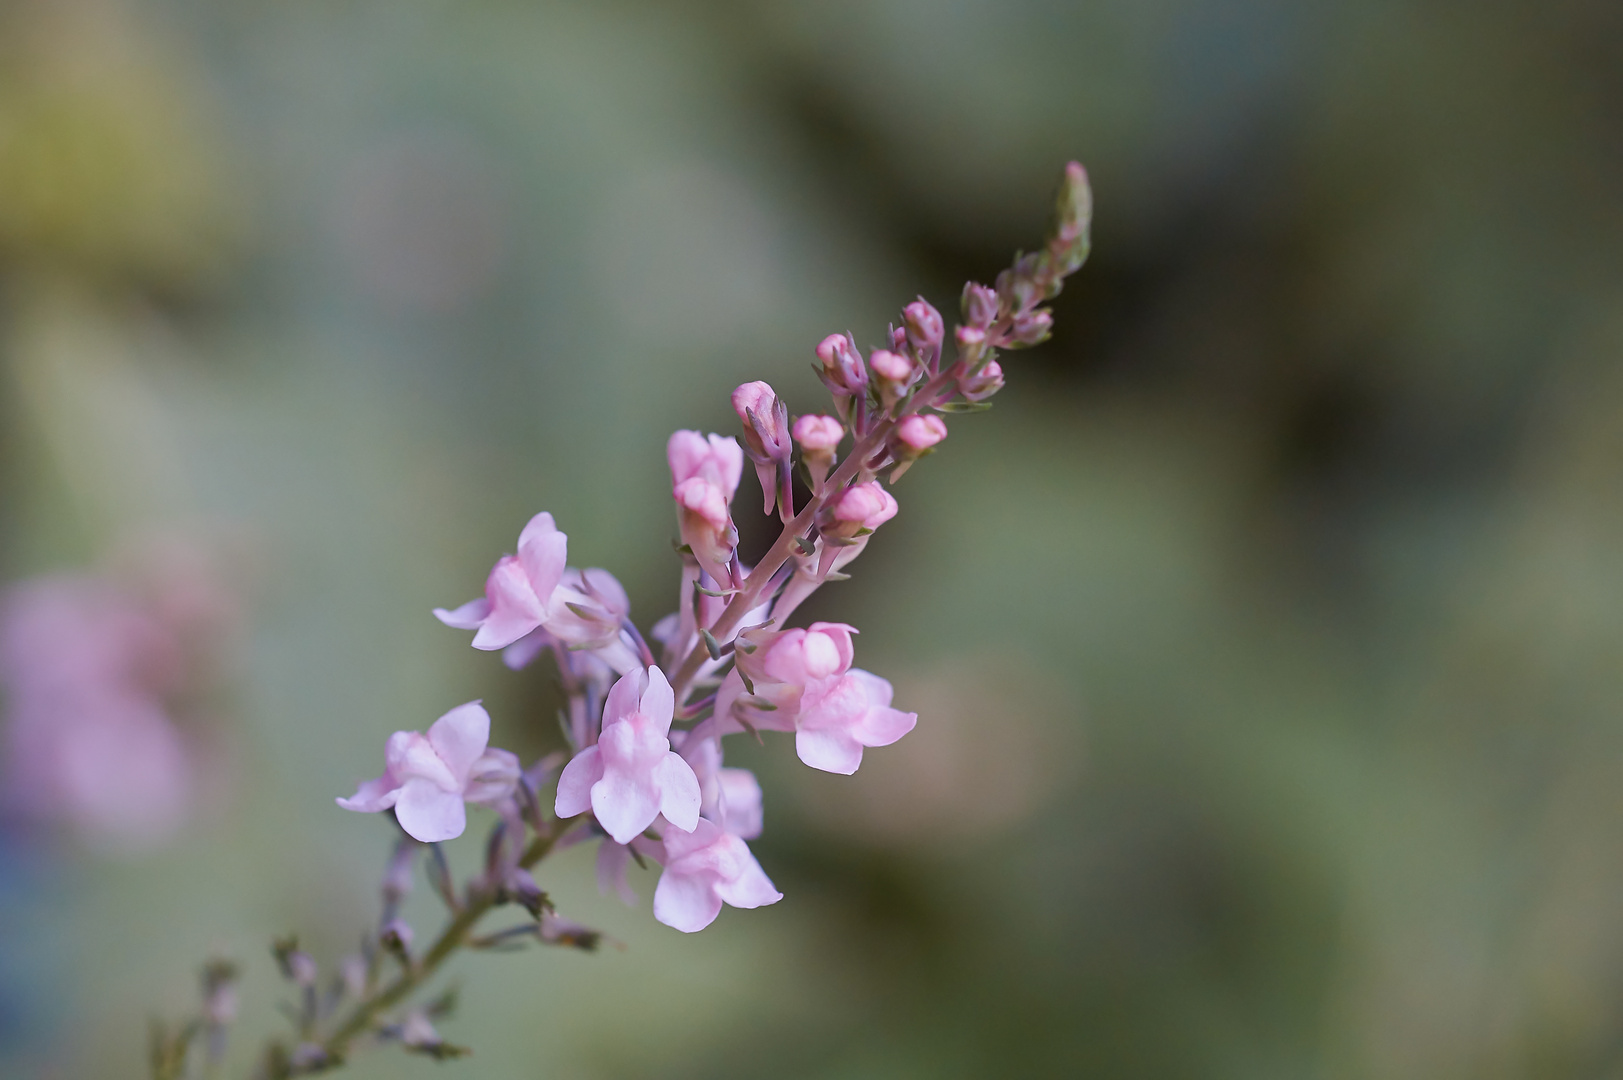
(919, 432)
(427, 779)
(816, 433)
(632, 776)
(841, 715)
(521, 591)
(867, 505)
(703, 869)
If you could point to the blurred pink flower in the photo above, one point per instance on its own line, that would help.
(703, 869)
(631, 775)
(428, 778)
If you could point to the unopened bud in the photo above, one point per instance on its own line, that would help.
(818, 436)
(979, 306)
(843, 371)
(924, 328)
(893, 367)
(919, 432)
(867, 506)
(1032, 327)
(982, 384)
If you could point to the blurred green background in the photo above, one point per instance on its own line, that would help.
(1266, 637)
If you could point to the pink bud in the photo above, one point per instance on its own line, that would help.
(842, 365)
(924, 326)
(891, 366)
(979, 305)
(970, 337)
(921, 432)
(983, 383)
(1032, 327)
(869, 505)
(816, 433)
(766, 433)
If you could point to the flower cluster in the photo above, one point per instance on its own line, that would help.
(643, 775)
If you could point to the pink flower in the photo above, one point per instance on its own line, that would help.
(983, 383)
(631, 776)
(979, 306)
(427, 778)
(919, 432)
(522, 591)
(841, 715)
(613, 860)
(892, 366)
(867, 506)
(704, 476)
(970, 337)
(729, 797)
(703, 869)
(797, 656)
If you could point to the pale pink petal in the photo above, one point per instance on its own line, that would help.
(466, 617)
(613, 860)
(429, 813)
(543, 552)
(625, 696)
(575, 783)
(493, 777)
(678, 791)
(883, 726)
(740, 799)
(686, 452)
(459, 737)
(522, 653)
(514, 608)
(729, 459)
(831, 750)
(687, 903)
(624, 805)
(840, 633)
(659, 701)
(607, 588)
(372, 796)
(750, 889)
(411, 756)
(875, 689)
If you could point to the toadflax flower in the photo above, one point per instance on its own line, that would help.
(632, 776)
(841, 715)
(427, 778)
(522, 591)
(704, 868)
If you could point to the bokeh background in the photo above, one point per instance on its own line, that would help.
(1267, 637)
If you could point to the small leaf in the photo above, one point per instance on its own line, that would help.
(963, 406)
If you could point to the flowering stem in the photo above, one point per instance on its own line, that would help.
(453, 937)
(755, 584)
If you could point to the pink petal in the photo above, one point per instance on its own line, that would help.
(625, 805)
(685, 452)
(659, 701)
(625, 696)
(740, 802)
(372, 796)
(729, 459)
(466, 617)
(877, 690)
(751, 889)
(522, 653)
(678, 791)
(612, 862)
(687, 903)
(411, 756)
(430, 814)
(831, 750)
(459, 737)
(610, 593)
(543, 551)
(515, 610)
(575, 783)
(883, 726)
(493, 777)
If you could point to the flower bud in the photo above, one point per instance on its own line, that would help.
(982, 384)
(979, 306)
(842, 371)
(867, 506)
(924, 330)
(919, 432)
(1032, 327)
(766, 435)
(818, 436)
(891, 366)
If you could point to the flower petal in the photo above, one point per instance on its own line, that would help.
(372, 795)
(575, 783)
(522, 653)
(612, 862)
(751, 888)
(459, 737)
(466, 617)
(625, 805)
(429, 813)
(659, 700)
(678, 791)
(515, 610)
(829, 749)
(687, 903)
(625, 696)
(543, 551)
(883, 726)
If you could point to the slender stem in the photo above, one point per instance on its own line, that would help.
(453, 937)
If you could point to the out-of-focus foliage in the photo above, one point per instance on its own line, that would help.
(1266, 636)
